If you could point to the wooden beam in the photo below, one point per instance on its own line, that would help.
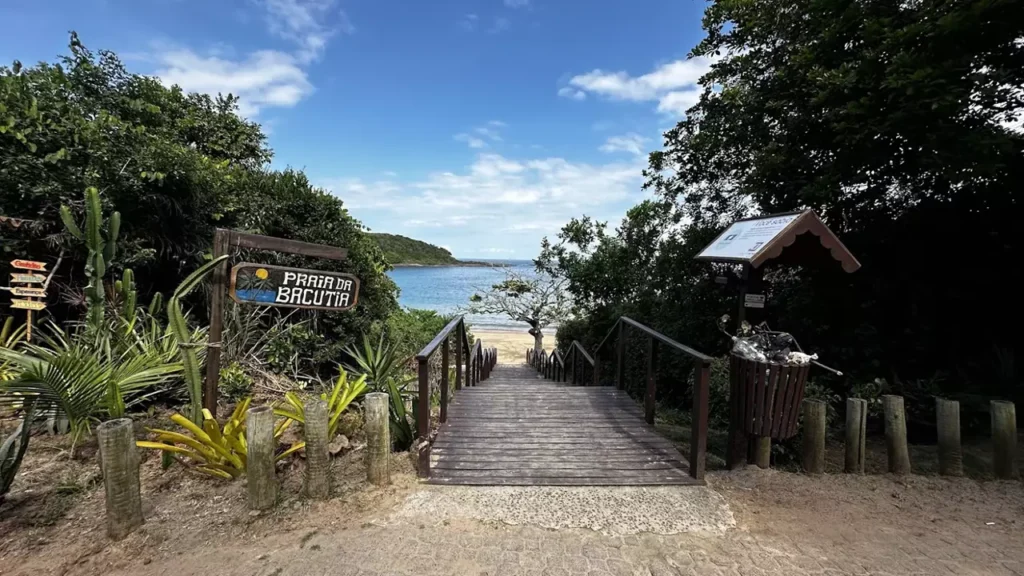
(257, 242)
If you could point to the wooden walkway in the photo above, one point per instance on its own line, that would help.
(518, 429)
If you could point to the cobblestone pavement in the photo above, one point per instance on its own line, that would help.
(478, 549)
(430, 545)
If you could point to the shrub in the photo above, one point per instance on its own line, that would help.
(235, 384)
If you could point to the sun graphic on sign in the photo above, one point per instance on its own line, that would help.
(262, 273)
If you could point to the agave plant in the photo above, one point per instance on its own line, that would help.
(71, 379)
(212, 450)
(341, 396)
(12, 451)
(383, 367)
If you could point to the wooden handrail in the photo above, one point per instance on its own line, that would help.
(430, 348)
(702, 377)
(653, 334)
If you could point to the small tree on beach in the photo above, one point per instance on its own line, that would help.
(536, 300)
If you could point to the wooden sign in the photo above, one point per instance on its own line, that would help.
(28, 292)
(29, 265)
(27, 304)
(293, 287)
(28, 278)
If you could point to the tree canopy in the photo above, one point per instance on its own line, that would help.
(175, 165)
(899, 124)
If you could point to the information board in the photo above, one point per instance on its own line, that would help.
(745, 238)
(293, 287)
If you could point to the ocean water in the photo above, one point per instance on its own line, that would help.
(446, 289)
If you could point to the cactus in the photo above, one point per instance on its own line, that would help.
(101, 251)
(125, 289)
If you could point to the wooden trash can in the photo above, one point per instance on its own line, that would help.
(765, 397)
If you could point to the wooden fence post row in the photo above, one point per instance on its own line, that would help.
(947, 424)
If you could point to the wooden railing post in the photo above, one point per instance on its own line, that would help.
(597, 367)
(652, 352)
(620, 358)
(423, 405)
(445, 350)
(460, 333)
(572, 365)
(699, 420)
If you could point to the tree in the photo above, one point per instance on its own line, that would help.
(899, 124)
(175, 166)
(538, 300)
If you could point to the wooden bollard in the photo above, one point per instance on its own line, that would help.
(318, 457)
(259, 434)
(378, 438)
(813, 444)
(759, 451)
(1004, 439)
(947, 424)
(896, 434)
(856, 434)
(119, 463)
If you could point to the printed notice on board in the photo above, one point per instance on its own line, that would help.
(744, 239)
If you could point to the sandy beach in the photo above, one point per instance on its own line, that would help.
(511, 344)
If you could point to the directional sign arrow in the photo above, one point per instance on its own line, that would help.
(27, 304)
(29, 265)
(28, 278)
(28, 292)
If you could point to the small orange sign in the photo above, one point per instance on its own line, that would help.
(29, 265)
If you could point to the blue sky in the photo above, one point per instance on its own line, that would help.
(478, 125)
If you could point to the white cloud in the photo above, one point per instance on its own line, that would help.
(496, 200)
(489, 133)
(677, 103)
(263, 78)
(572, 93)
(471, 141)
(266, 78)
(631, 143)
(673, 85)
(308, 23)
(517, 3)
(500, 25)
(469, 22)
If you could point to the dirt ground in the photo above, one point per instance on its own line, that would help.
(52, 523)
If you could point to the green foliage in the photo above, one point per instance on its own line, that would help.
(408, 330)
(338, 400)
(12, 450)
(179, 326)
(380, 364)
(175, 166)
(101, 251)
(234, 383)
(862, 112)
(402, 250)
(385, 371)
(210, 449)
(79, 382)
(295, 348)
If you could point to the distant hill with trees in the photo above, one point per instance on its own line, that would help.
(403, 250)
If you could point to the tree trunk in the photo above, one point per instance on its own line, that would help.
(538, 337)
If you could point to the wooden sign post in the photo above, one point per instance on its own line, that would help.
(270, 286)
(27, 294)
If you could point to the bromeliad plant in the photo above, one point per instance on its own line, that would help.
(211, 449)
(341, 396)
